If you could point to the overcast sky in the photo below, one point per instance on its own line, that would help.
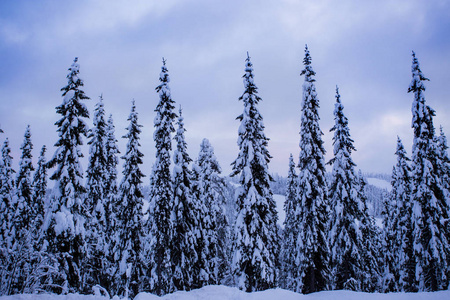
(364, 47)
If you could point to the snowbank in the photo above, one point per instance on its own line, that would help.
(228, 293)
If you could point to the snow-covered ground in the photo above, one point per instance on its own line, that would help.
(228, 293)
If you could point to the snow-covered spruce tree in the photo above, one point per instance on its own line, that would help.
(288, 255)
(65, 231)
(40, 191)
(23, 219)
(96, 200)
(429, 205)
(312, 252)
(7, 236)
(443, 161)
(201, 271)
(128, 251)
(389, 276)
(399, 271)
(7, 197)
(255, 242)
(215, 222)
(161, 192)
(24, 214)
(186, 223)
(110, 186)
(112, 203)
(371, 241)
(344, 232)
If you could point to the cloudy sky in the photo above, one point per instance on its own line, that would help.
(362, 46)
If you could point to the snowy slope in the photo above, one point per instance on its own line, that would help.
(380, 183)
(228, 293)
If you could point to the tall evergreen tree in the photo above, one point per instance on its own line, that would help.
(110, 186)
(40, 190)
(202, 273)
(312, 251)
(24, 213)
(161, 193)
(215, 222)
(390, 278)
(112, 203)
(255, 242)
(24, 257)
(128, 252)
(443, 163)
(7, 197)
(96, 200)
(66, 228)
(288, 255)
(371, 242)
(431, 235)
(397, 226)
(186, 223)
(345, 234)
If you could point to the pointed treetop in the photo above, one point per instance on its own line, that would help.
(417, 75)
(307, 59)
(180, 116)
(163, 77)
(75, 67)
(338, 96)
(308, 70)
(248, 56)
(400, 148)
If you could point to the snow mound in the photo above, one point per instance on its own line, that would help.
(219, 292)
(228, 293)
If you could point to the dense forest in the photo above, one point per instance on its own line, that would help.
(194, 226)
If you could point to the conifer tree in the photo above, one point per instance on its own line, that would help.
(186, 224)
(23, 256)
(161, 193)
(110, 186)
(24, 213)
(66, 228)
(345, 235)
(255, 243)
(397, 246)
(128, 251)
(443, 163)
(96, 170)
(7, 197)
(202, 273)
(429, 204)
(96, 200)
(40, 190)
(390, 277)
(312, 251)
(371, 242)
(112, 203)
(215, 222)
(288, 254)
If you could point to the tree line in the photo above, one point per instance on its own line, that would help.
(92, 234)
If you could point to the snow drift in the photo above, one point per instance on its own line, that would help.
(228, 293)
